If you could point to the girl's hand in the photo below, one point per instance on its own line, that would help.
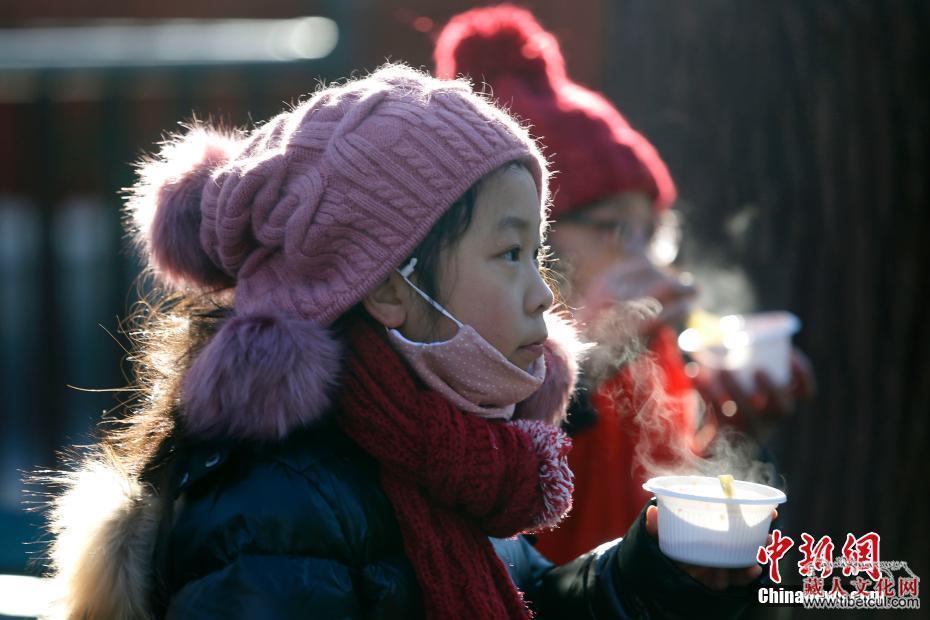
(717, 579)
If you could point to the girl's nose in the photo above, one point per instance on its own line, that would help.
(540, 297)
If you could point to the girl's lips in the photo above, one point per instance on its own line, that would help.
(534, 349)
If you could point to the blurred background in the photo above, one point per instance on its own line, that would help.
(798, 134)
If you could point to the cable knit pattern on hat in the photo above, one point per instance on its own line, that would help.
(305, 216)
(327, 199)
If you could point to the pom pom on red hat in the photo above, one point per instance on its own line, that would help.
(499, 43)
(591, 145)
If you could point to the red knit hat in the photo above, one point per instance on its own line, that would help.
(589, 143)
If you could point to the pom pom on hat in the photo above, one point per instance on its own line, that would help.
(164, 208)
(259, 377)
(593, 148)
(498, 43)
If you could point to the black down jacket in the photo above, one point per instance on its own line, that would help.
(302, 529)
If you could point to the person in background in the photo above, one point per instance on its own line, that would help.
(612, 225)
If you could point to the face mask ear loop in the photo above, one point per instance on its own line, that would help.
(405, 271)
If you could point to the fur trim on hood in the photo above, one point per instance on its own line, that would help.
(104, 525)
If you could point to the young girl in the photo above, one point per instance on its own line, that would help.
(352, 407)
(612, 194)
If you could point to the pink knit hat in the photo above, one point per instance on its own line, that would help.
(305, 216)
(592, 146)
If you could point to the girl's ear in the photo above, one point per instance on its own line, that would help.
(389, 302)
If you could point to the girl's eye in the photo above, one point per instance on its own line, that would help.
(514, 253)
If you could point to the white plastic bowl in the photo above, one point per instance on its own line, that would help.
(751, 342)
(699, 525)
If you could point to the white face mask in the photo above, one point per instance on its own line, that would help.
(467, 369)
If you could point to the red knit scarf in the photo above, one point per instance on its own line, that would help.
(452, 478)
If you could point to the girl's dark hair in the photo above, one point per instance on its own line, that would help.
(445, 234)
(166, 331)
